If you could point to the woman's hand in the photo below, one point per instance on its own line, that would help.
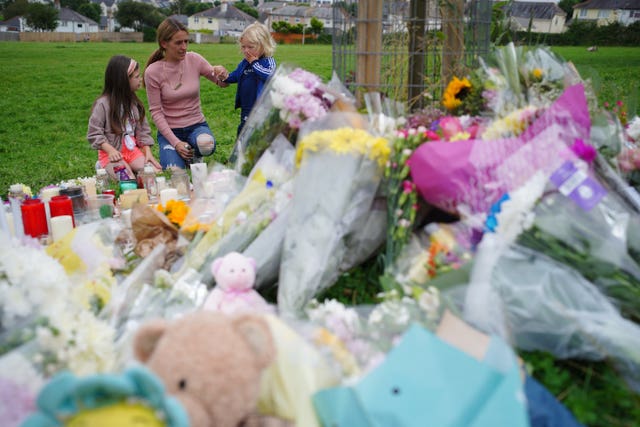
(219, 73)
(185, 150)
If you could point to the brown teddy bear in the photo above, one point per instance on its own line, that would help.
(212, 363)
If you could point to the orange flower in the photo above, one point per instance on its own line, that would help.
(176, 211)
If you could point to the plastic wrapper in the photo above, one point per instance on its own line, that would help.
(341, 167)
(546, 305)
(467, 177)
(245, 216)
(291, 96)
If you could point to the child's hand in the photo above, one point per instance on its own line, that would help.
(220, 73)
(250, 57)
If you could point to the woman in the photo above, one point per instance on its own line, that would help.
(172, 80)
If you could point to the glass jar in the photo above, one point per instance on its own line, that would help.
(102, 180)
(180, 181)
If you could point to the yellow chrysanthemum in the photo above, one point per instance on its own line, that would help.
(455, 91)
(345, 141)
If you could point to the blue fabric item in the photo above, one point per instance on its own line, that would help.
(544, 409)
(251, 79)
(168, 154)
(425, 381)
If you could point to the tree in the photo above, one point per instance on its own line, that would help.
(15, 8)
(567, 6)
(246, 8)
(90, 10)
(43, 17)
(316, 26)
(137, 15)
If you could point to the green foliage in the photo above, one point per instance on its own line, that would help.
(249, 10)
(137, 15)
(90, 10)
(317, 27)
(43, 17)
(15, 8)
(567, 6)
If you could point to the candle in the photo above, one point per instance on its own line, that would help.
(61, 226)
(61, 205)
(90, 187)
(34, 218)
(168, 194)
(47, 193)
(4, 226)
(10, 224)
(161, 182)
(125, 216)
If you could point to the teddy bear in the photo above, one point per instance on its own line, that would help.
(235, 276)
(212, 363)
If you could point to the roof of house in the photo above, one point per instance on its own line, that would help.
(12, 23)
(184, 19)
(107, 3)
(300, 11)
(609, 4)
(227, 12)
(66, 14)
(535, 10)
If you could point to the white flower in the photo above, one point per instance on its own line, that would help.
(633, 129)
(429, 302)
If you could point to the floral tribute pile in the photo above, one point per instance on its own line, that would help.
(539, 249)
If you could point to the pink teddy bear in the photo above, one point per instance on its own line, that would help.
(235, 276)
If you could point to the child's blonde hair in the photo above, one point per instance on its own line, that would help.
(259, 35)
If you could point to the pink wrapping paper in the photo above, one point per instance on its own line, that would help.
(476, 173)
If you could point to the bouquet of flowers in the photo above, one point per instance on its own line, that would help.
(477, 172)
(291, 96)
(341, 166)
(559, 269)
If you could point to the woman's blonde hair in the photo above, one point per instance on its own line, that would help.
(260, 35)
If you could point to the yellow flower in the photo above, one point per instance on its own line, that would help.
(537, 73)
(344, 141)
(455, 92)
(175, 210)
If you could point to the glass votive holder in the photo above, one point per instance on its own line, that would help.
(76, 194)
(100, 206)
(34, 218)
(61, 205)
(180, 181)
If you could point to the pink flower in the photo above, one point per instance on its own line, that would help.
(431, 135)
(407, 186)
(585, 151)
(450, 126)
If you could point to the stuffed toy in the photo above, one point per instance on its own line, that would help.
(135, 398)
(235, 276)
(212, 363)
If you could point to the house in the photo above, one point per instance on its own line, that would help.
(224, 20)
(70, 21)
(539, 17)
(604, 12)
(302, 15)
(15, 24)
(108, 10)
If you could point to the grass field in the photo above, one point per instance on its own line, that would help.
(45, 100)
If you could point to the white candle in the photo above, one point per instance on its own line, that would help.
(10, 224)
(168, 194)
(161, 181)
(125, 216)
(90, 187)
(61, 226)
(47, 193)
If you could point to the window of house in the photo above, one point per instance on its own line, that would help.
(79, 25)
(210, 21)
(604, 13)
(635, 14)
(583, 13)
(196, 20)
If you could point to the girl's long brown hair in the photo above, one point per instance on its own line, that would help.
(122, 100)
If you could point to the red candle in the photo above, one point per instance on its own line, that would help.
(34, 218)
(61, 205)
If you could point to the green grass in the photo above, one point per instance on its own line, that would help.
(45, 101)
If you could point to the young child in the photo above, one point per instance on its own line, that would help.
(256, 67)
(118, 127)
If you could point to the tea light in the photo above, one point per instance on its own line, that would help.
(168, 194)
(61, 226)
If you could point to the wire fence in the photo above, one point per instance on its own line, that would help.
(408, 49)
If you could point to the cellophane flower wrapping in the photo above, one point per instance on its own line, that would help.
(291, 96)
(246, 215)
(341, 165)
(561, 275)
(466, 177)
